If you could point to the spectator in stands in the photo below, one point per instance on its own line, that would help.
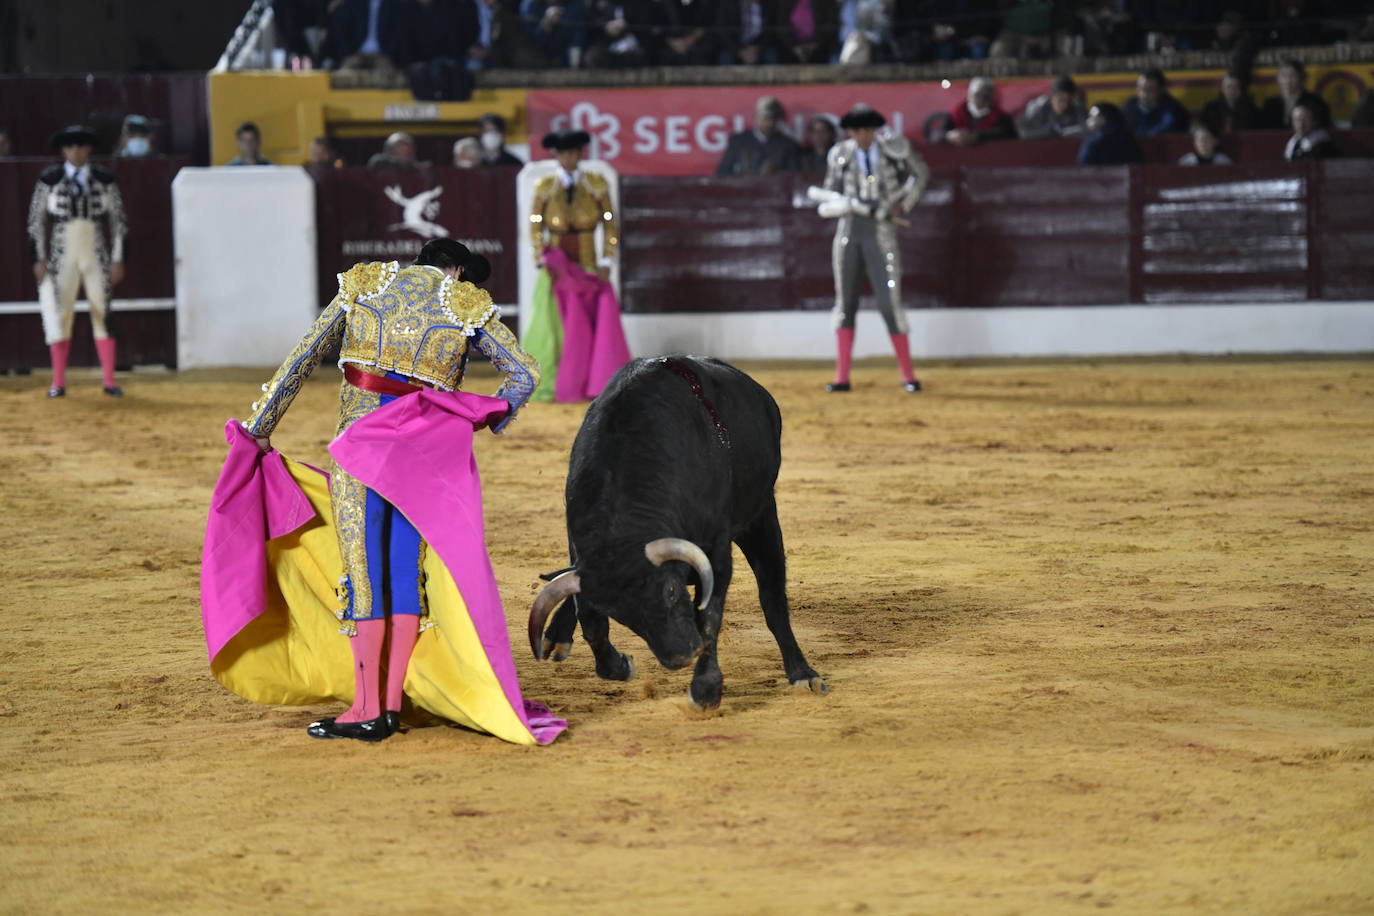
(690, 37)
(323, 158)
(135, 138)
(440, 32)
(493, 142)
(1057, 113)
(1110, 143)
(1362, 116)
(369, 34)
(1278, 111)
(249, 141)
(467, 153)
(1232, 109)
(1027, 30)
(397, 153)
(820, 136)
(504, 41)
(979, 118)
(301, 26)
(765, 149)
(808, 32)
(1309, 140)
(1153, 111)
(865, 32)
(623, 33)
(1205, 150)
(6, 147)
(558, 28)
(959, 28)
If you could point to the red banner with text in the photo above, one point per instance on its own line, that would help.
(683, 131)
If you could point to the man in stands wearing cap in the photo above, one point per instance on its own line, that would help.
(574, 301)
(883, 176)
(404, 334)
(68, 251)
(763, 150)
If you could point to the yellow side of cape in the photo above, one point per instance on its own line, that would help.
(294, 655)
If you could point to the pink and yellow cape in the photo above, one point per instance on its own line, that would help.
(271, 566)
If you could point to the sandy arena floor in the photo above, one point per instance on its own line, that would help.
(1100, 635)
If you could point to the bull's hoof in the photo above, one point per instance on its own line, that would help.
(558, 651)
(815, 684)
(705, 692)
(622, 669)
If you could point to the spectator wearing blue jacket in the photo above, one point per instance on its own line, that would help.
(558, 28)
(1110, 143)
(1154, 111)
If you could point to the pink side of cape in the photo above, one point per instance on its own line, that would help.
(433, 430)
(255, 500)
(594, 345)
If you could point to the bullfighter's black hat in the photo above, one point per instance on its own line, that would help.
(561, 140)
(73, 135)
(862, 116)
(446, 252)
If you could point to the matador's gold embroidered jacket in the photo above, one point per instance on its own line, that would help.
(414, 321)
(579, 209)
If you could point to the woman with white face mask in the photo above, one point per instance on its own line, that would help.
(493, 140)
(136, 138)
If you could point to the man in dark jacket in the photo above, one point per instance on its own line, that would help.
(440, 32)
(1232, 109)
(1278, 111)
(763, 150)
(1109, 143)
(369, 34)
(1154, 111)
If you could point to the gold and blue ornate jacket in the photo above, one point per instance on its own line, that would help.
(414, 321)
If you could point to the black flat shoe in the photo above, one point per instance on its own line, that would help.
(371, 730)
(393, 721)
(56, 391)
(911, 387)
(835, 387)
(113, 391)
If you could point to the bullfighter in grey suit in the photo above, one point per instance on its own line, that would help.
(876, 177)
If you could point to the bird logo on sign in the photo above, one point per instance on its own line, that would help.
(418, 212)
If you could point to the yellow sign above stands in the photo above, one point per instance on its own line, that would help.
(293, 108)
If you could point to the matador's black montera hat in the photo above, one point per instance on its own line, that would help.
(561, 140)
(861, 116)
(73, 135)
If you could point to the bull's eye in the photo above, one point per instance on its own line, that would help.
(671, 593)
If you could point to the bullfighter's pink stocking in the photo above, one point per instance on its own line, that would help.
(59, 353)
(105, 349)
(844, 353)
(903, 351)
(405, 630)
(367, 671)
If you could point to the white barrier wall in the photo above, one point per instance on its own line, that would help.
(246, 285)
(1117, 330)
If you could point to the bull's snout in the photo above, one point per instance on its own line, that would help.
(679, 656)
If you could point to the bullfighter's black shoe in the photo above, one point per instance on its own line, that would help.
(911, 387)
(393, 721)
(113, 391)
(57, 391)
(371, 730)
(835, 387)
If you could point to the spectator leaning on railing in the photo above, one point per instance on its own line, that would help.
(397, 153)
(1205, 150)
(1232, 109)
(493, 141)
(765, 149)
(1057, 113)
(1153, 110)
(623, 33)
(558, 28)
(1110, 143)
(979, 118)
(369, 34)
(439, 34)
(690, 37)
(821, 135)
(249, 141)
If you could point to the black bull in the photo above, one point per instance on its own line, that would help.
(674, 460)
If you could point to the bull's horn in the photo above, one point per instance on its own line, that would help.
(665, 549)
(553, 594)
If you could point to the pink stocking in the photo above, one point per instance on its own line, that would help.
(903, 351)
(405, 630)
(105, 349)
(59, 353)
(844, 353)
(367, 671)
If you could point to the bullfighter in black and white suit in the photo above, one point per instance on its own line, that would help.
(68, 250)
(876, 176)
